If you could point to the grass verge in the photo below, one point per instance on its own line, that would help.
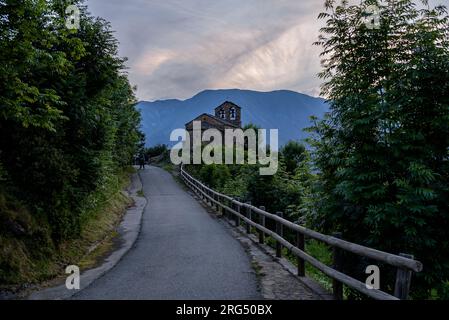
(29, 259)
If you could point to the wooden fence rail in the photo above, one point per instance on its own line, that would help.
(232, 208)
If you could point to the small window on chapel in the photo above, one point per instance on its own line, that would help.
(222, 114)
(233, 113)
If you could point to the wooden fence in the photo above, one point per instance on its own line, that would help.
(247, 213)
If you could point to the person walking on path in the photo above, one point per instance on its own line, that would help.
(142, 161)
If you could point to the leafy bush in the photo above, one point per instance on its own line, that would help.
(157, 150)
(294, 153)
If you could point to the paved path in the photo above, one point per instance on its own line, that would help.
(181, 253)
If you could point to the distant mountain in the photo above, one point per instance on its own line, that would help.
(287, 111)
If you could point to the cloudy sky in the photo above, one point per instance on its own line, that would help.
(177, 48)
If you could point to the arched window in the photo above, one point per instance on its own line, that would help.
(233, 113)
(222, 114)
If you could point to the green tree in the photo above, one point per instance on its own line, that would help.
(67, 114)
(26, 44)
(157, 150)
(382, 152)
(294, 154)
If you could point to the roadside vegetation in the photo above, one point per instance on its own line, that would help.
(69, 132)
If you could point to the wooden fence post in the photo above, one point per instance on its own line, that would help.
(300, 243)
(248, 215)
(220, 208)
(280, 232)
(224, 211)
(403, 280)
(337, 286)
(230, 205)
(237, 218)
(262, 223)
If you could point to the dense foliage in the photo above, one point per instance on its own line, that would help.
(67, 119)
(285, 191)
(160, 150)
(382, 154)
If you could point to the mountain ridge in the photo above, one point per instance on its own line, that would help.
(286, 110)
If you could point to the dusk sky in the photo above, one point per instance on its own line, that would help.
(177, 48)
